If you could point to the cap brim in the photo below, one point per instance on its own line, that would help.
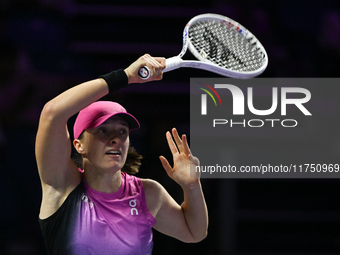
(130, 119)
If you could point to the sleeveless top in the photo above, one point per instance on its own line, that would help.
(91, 222)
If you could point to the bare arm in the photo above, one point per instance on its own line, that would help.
(53, 145)
(58, 174)
(187, 222)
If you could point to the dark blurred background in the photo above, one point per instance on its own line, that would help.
(48, 46)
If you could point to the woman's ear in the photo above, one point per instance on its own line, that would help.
(78, 146)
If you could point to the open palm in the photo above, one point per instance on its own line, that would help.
(183, 172)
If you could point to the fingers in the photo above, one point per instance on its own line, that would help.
(165, 164)
(176, 137)
(186, 148)
(181, 144)
(156, 65)
(161, 61)
(171, 143)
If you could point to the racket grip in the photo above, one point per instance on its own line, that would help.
(144, 73)
(172, 64)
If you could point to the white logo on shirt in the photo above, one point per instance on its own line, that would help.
(133, 204)
(86, 200)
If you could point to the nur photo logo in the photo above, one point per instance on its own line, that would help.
(265, 127)
(204, 98)
(280, 98)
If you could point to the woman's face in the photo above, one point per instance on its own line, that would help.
(105, 147)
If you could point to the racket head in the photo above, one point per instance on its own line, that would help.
(227, 45)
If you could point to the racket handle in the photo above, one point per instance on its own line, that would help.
(170, 64)
(144, 73)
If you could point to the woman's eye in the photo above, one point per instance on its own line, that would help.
(103, 131)
(123, 131)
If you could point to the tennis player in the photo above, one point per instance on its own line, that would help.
(95, 207)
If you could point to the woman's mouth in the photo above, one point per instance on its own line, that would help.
(113, 152)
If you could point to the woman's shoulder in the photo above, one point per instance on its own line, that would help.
(151, 186)
(154, 195)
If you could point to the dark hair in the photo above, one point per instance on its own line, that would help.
(131, 166)
(133, 161)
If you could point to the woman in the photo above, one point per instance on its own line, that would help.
(99, 209)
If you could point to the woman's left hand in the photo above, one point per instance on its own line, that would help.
(183, 172)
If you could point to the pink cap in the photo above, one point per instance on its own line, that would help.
(97, 113)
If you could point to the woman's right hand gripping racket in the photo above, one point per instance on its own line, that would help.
(221, 45)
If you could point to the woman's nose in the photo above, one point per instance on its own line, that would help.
(113, 137)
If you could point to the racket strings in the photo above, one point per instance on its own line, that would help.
(223, 45)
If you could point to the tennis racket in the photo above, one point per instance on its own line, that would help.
(221, 45)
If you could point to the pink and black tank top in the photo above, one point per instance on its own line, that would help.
(91, 222)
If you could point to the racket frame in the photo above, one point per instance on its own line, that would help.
(205, 64)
